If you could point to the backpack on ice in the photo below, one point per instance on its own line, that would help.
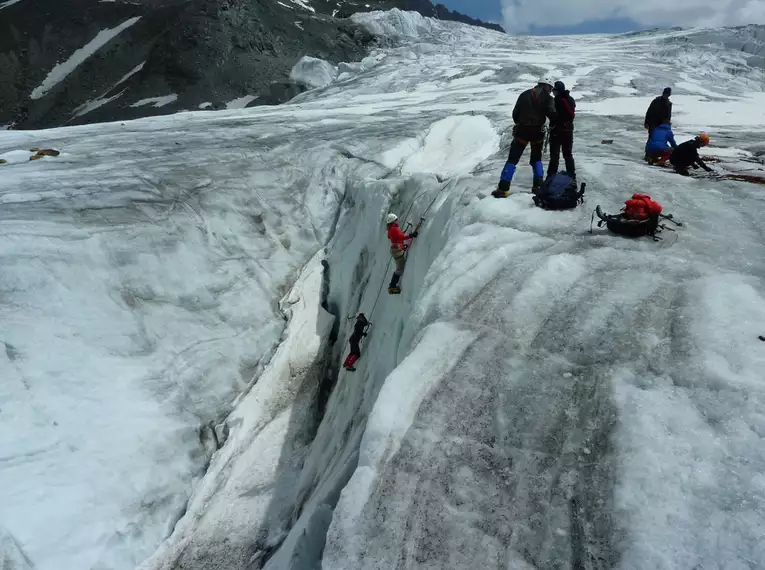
(639, 218)
(559, 192)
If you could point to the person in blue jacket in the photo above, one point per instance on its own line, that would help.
(660, 144)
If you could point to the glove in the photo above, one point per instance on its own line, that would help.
(415, 234)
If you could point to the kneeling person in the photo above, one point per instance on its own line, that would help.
(687, 154)
(660, 144)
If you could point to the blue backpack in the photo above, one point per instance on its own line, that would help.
(559, 192)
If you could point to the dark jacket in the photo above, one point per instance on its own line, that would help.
(687, 154)
(533, 107)
(358, 330)
(659, 112)
(565, 111)
(659, 138)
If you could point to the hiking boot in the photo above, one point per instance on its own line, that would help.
(536, 185)
(503, 189)
(394, 290)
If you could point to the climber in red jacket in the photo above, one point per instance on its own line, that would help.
(399, 243)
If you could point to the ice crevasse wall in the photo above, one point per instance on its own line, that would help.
(280, 472)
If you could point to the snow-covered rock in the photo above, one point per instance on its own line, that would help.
(313, 72)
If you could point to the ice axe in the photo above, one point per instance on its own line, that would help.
(671, 218)
(417, 227)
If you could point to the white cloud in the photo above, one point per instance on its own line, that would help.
(520, 15)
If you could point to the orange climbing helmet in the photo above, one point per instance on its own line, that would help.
(703, 138)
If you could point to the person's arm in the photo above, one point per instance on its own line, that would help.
(649, 115)
(671, 140)
(569, 105)
(550, 111)
(517, 108)
(702, 164)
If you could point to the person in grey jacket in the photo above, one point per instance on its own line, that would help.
(531, 110)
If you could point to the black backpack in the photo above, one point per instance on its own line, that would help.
(559, 192)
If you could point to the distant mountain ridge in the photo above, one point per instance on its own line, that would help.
(79, 61)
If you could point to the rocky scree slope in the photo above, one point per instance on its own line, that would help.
(68, 62)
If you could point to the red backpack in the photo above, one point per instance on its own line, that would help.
(641, 207)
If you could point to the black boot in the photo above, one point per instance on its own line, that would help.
(503, 189)
(536, 185)
(393, 288)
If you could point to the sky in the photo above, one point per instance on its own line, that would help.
(545, 17)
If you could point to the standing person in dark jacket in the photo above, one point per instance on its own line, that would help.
(562, 131)
(359, 331)
(659, 112)
(531, 110)
(687, 154)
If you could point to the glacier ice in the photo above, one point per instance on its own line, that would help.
(537, 396)
(313, 72)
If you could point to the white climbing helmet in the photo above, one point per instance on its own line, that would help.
(546, 80)
(390, 218)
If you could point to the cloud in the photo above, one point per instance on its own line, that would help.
(521, 15)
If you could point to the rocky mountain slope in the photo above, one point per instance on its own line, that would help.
(78, 61)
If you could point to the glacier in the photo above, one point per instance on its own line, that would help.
(177, 292)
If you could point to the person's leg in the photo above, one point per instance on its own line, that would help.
(399, 271)
(516, 151)
(567, 145)
(655, 156)
(555, 147)
(536, 164)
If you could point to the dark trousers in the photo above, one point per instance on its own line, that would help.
(519, 145)
(522, 136)
(561, 141)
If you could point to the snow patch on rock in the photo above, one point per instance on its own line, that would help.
(157, 101)
(60, 71)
